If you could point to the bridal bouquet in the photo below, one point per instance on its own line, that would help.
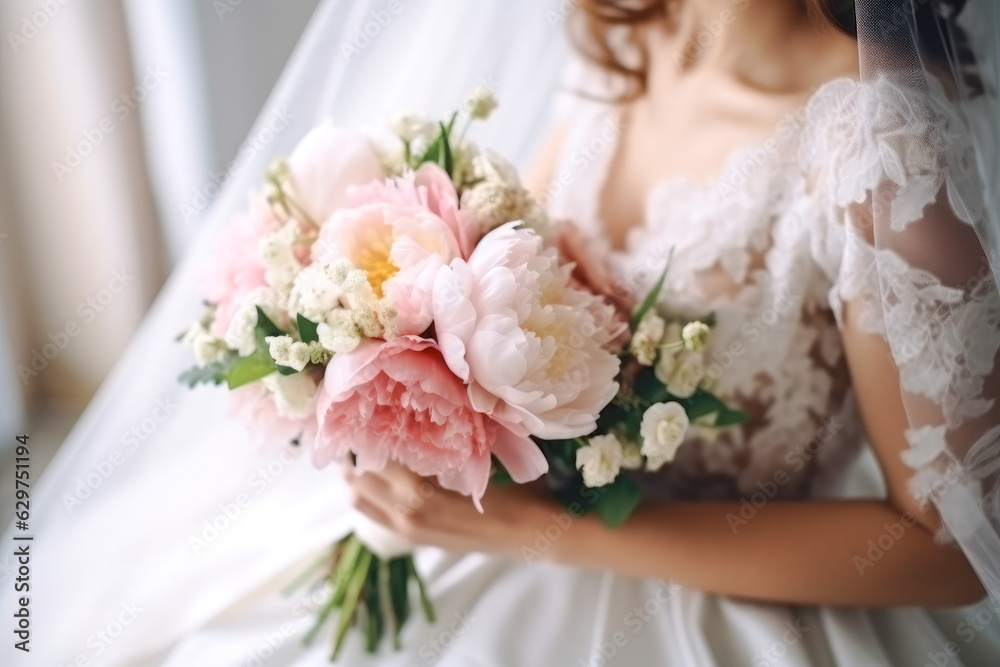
(403, 298)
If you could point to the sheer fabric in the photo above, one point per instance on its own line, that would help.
(930, 210)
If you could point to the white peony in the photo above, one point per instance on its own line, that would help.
(647, 337)
(600, 460)
(324, 164)
(663, 428)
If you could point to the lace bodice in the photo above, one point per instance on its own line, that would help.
(773, 247)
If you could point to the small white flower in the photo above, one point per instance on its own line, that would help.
(481, 103)
(696, 335)
(392, 157)
(339, 333)
(287, 352)
(600, 460)
(207, 348)
(411, 127)
(662, 430)
(631, 456)
(277, 251)
(240, 334)
(488, 165)
(495, 193)
(647, 337)
(687, 374)
(294, 395)
(317, 291)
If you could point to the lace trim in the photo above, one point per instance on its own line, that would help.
(861, 136)
(943, 339)
(941, 475)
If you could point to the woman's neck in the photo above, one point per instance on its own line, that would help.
(753, 42)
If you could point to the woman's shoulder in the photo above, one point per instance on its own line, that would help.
(886, 130)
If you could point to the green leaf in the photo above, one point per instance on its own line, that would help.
(702, 403)
(214, 373)
(250, 368)
(730, 417)
(447, 162)
(265, 328)
(652, 297)
(649, 388)
(307, 329)
(617, 501)
(439, 151)
(433, 152)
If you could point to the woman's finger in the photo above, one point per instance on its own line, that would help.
(372, 511)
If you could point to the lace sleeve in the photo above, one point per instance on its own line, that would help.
(900, 203)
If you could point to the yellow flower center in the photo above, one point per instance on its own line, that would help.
(376, 261)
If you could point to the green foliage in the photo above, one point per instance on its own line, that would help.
(214, 373)
(307, 329)
(653, 296)
(617, 501)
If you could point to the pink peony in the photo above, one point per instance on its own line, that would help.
(236, 268)
(534, 349)
(592, 272)
(278, 409)
(401, 233)
(397, 400)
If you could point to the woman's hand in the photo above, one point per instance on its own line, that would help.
(421, 512)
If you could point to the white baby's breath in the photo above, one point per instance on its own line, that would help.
(481, 103)
(662, 430)
(411, 127)
(288, 352)
(317, 291)
(294, 395)
(207, 348)
(647, 337)
(339, 333)
(696, 335)
(240, 334)
(277, 251)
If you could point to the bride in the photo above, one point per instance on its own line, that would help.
(821, 203)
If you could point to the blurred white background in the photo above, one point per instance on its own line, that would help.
(118, 119)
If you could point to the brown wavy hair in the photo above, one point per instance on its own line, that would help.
(942, 41)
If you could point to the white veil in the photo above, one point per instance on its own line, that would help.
(935, 223)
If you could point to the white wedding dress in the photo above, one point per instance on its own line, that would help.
(175, 551)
